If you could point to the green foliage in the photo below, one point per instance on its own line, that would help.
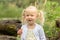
(6, 11)
(52, 10)
(52, 13)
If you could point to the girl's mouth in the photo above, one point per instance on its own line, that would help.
(29, 20)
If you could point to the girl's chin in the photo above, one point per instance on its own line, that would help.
(30, 23)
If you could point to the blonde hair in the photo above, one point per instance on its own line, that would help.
(41, 17)
(40, 14)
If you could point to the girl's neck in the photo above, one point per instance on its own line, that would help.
(31, 26)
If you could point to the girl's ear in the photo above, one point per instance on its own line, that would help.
(37, 14)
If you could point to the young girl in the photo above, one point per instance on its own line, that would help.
(31, 30)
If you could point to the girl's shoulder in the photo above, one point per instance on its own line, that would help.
(24, 26)
(39, 26)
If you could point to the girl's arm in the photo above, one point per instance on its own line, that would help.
(19, 32)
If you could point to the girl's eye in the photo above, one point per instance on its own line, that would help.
(32, 15)
(27, 15)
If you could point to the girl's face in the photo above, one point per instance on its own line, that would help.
(30, 16)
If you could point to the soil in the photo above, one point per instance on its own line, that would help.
(6, 37)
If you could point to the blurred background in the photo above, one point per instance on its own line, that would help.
(12, 10)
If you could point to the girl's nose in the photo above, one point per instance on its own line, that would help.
(29, 16)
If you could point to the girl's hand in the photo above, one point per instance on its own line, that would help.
(19, 32)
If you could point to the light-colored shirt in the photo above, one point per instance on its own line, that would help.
(30, 35)
(37, 31)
